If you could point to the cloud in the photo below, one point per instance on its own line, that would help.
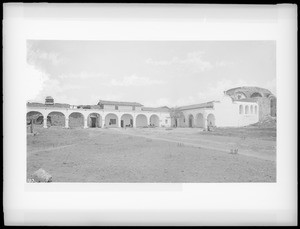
(216, 91)
(186, 101)
(109, 97)
(224, 63)
(35, 80)
(134, 80)
(81, 75)
(42, 56)
(193, 61)
(271, 85)
(158, 102)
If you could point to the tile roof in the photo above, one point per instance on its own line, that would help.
(195, 106)
(61, 105)
(105, 102)
(157, 109)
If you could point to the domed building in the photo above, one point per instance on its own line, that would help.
(265, 99)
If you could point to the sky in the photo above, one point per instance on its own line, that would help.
(153, 73)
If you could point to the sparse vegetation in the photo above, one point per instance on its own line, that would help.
(71, 155)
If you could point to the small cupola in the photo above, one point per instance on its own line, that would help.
(49, 100)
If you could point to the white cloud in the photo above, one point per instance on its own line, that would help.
(216, 91)
(134, 80)
(158, 103)
(193, 60)
(35, 80)
(224, 63)
(186, 101)
(82, 75)
(271, 85)
(109, 97)
(51, 57)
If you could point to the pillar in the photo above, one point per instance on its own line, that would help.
(205, 123)
(45, 122)
(119, 123)
(103, 122)
(85, 123)
(66, 123)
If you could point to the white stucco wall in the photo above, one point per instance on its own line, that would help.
(109, 107)
(125, 108)
(103, 118)
(227, 113)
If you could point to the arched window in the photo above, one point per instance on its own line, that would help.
(241, 109)
(247, 109)
(240, 95)
(255, 95)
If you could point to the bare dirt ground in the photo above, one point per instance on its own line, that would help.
(153, 155)
(250, 141)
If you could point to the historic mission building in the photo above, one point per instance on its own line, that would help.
(240, 106)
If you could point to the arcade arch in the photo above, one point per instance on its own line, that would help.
(94, 120)
(191, 120)
(200, 120)
(76, 119)
(36, 117)
(154, 120)
(111, 120)
(141, 120)
(56, 118)
(126, 120)
(211, 120)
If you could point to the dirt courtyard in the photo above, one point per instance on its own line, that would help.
(185, 155)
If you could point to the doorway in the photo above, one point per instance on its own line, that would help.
(93, 122)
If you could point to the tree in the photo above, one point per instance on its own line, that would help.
(175, 113)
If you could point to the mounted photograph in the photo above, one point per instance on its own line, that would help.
(151, 111)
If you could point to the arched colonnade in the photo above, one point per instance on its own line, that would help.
(69, 118)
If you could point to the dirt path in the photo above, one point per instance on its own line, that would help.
(219, 143)
(29, 152)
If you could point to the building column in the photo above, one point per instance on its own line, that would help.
(205, 123)
(98, 122)
(45, 122)
(103, 122)
(66, 123)
(119, 123)
(85, 123)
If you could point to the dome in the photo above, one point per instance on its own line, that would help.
(248, 92)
